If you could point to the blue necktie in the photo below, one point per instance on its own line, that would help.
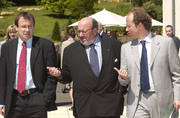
(94, 62)
(144, 78)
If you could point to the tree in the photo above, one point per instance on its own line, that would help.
(5, 4)
(140, 3)
(79, 8)
(55, 5)
(155, 11)
(71, 8)
(56, 33)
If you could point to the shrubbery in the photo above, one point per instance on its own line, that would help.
(56, 32)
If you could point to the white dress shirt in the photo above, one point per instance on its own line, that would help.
(29, 81)
(148, 48)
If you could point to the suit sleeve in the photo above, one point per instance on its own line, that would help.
(2, 81)
(123, 65)
(174, 64)
(49, 91)
(3, 74)
(66, 74)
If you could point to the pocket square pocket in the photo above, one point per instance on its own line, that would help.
(116, 60)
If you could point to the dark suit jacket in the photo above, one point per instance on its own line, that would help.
(2, 80)
(42, 55)
(177, 42)
(102, 96)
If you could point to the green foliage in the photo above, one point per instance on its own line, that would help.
(71, 8)
(157, 2)
(121, 8)
(155, 11)
(38, 2)
(79, 8)
(138, 3)
(5, 4)
(54, 5)
(56, 33)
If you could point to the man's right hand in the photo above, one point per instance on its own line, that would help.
(53, 71)
(2, 109)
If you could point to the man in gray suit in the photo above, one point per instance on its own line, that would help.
(151, 69)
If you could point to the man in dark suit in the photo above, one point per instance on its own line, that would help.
(96, 92)
(101, 31)
(29, 91)
(170, 33)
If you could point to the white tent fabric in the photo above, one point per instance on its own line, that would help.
(156, 23)
(107, 18)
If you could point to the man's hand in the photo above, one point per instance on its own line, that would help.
(53, 71)
(2, 109)
(177, 104)
(122, 73)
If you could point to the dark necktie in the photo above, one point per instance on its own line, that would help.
(144, 78)
(22, 69)
(94, 62)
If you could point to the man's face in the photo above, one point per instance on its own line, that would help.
(131, 28)
(85, 32)
(25, 28)
(169, 31)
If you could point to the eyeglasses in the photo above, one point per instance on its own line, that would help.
(83, 31)
(26, 27)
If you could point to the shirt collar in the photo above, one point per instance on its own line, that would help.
(147, 38)
(28, 42)
(96, 41)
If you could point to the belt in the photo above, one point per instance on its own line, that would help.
(25, 92)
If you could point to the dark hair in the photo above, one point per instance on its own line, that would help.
(140, 16)
(94, 23)
(170, 26)
(71, 32)
(25, 15)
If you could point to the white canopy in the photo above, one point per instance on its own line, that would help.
(156, 23)
(107, 18)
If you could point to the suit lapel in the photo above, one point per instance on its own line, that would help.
(13, 54)
(105, 49)
(83, 56)
(135, 52)
(154, 49)
(34, 50)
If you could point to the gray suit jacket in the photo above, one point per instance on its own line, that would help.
(165, 70)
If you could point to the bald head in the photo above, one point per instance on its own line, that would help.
(87, 30)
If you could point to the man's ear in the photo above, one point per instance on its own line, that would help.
(95, 31)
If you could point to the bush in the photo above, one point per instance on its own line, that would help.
(56, 32)
(2, 33)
